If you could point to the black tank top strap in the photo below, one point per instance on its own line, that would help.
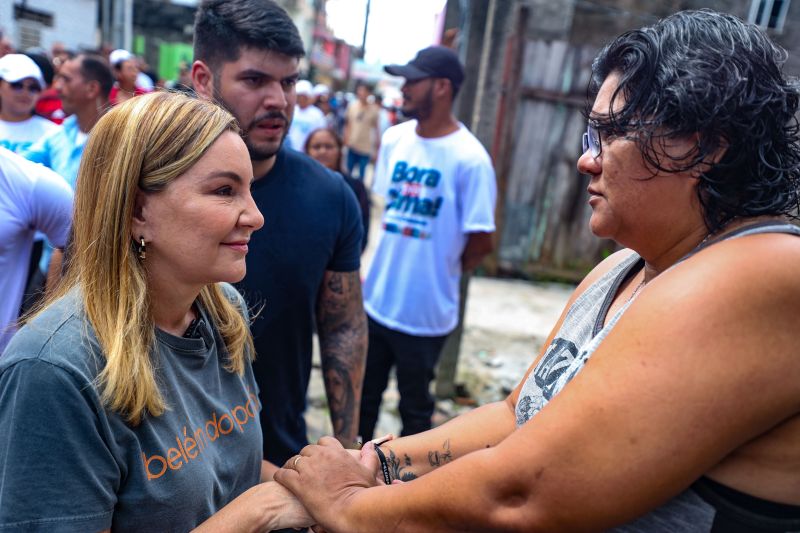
(737, 511)
(626, 274)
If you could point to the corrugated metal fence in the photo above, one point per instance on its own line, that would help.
(544, 214)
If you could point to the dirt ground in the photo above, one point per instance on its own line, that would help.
(505, 325)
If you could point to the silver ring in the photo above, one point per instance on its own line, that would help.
(296, 459)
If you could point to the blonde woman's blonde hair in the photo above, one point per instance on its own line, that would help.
(142, 144)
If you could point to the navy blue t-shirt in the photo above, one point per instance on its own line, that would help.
(312, 224)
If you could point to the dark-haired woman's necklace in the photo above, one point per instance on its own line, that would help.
(641, 285)
(636, 290)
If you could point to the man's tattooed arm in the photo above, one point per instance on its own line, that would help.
(342, 329)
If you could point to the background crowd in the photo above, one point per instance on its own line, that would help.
(50, 100)
(192, 243)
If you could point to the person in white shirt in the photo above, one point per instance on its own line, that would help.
(21, 83)
(440, 193)
(32, 198)
(307, 117)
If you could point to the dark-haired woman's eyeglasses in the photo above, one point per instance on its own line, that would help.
(30, 87)
(591, 141)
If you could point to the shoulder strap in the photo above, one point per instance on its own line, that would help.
(768, 226)
(627, 268)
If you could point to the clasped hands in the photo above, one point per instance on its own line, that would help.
(324, 478)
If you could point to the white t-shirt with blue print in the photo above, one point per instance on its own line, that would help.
(437, 191)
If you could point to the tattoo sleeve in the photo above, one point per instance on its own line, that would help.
(342, 329)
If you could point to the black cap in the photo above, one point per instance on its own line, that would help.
(432, 62)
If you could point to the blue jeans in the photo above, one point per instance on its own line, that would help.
(356, 158)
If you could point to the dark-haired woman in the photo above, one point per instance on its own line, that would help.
(326, 146)
(667, 397)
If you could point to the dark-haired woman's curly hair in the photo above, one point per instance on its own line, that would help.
(711, 77)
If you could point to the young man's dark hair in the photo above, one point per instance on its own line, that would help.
(95, 68)
(223, 27)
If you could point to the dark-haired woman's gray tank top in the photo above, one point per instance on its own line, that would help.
(706, 506)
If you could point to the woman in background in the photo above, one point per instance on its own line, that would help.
(326, 146)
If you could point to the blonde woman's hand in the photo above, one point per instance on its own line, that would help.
(264, 507)
(284, 509)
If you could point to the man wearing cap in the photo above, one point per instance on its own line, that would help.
(126, 72)
(21, 83)
(361, 131)
(440, 191)
(307, 117)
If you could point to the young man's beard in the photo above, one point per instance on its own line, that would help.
(424, 107)
(257, 153)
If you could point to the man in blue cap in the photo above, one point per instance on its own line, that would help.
(440, 192)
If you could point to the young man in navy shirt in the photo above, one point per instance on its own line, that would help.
(303, 265)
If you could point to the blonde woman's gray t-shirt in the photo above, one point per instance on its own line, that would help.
(70, 464)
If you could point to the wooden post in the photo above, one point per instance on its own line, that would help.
(448, 362)
(484, 45)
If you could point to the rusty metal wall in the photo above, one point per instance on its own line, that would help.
(542, 213)
(544, 226)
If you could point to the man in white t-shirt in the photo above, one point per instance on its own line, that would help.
(32, 198)
(307, 117)
(440, 193)
(21, 83)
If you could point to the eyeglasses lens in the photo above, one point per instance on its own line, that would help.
(591, 141)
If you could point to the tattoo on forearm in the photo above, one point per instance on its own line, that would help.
(342, 328)
(397, 471)
(335, 284)
(341, 395)
(440, 457)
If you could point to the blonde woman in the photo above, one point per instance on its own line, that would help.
(128, 402)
